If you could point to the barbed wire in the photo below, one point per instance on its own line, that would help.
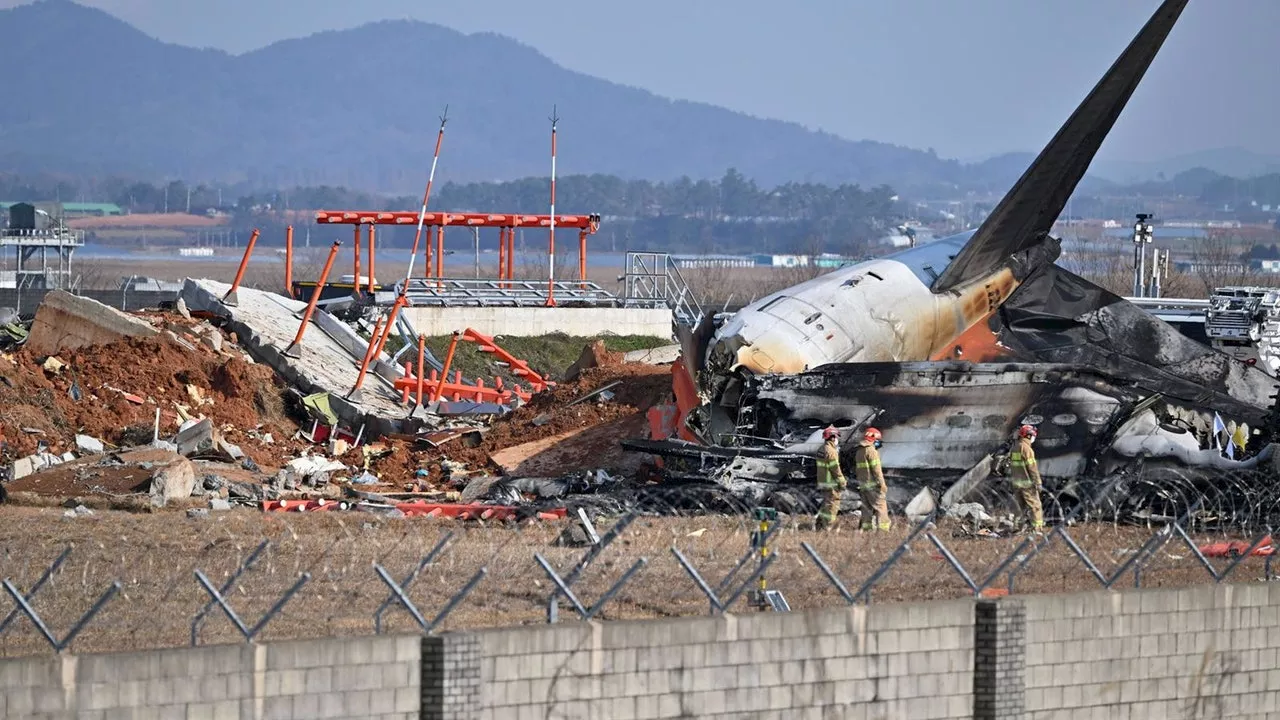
(680, 550)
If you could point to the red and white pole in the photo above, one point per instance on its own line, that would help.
(551, 252)
(426, 197)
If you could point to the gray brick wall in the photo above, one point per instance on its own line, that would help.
(332, 678)
(1201, 652)
(891, 661)
(999, 690)
(451, 677)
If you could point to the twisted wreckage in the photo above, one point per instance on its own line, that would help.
(950, 346)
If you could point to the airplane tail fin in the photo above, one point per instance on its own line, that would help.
(1030, 208)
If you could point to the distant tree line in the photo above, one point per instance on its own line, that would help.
(732, 214)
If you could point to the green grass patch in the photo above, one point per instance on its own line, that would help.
(549, 355)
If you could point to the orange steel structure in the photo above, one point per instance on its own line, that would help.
(414, 384)
(438, 221)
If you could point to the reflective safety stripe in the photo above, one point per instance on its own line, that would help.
(868, 464)
(829, 475)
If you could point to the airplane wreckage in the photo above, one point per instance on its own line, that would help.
(948, 347)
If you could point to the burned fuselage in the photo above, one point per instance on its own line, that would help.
(945, 416)
(941, 419)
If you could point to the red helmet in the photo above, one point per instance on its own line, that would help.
(1027, 431)
(872, 434)
(830, 433)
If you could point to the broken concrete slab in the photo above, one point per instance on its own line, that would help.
(664, 355)
(330, 352)
(196, 438)
(173, 480)
(22, 467)
(66, 321)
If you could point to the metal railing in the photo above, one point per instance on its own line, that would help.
(53, 237)
(654, 278)
(462, 292)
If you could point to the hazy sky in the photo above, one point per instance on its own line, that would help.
(968, 77)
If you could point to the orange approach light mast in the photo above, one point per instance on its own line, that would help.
(506, 222)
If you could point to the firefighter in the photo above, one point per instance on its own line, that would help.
(831, 479)
(871, 481)
(1025, 477)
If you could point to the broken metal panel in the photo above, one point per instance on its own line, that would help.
(1060, 317)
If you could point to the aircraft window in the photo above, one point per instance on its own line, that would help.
(874, 275)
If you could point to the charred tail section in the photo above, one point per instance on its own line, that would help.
(1029, 210)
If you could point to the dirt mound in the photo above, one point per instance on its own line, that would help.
(120, 386)
(641, 387)
(595, 355)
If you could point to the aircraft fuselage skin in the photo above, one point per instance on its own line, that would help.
(876, 311)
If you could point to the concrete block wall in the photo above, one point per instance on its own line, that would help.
(535, 321)
(332, 678)
(890, 661)
(26, 301)
(1199, 652)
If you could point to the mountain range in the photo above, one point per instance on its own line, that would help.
(89, 94)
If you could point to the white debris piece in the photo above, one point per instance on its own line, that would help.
(921, 506)
(89, 445)
(299, 469)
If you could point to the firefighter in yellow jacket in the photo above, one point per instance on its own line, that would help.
(830, 478)
(1025, 476)
(871, 481)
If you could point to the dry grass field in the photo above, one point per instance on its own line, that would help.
(154, 557)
